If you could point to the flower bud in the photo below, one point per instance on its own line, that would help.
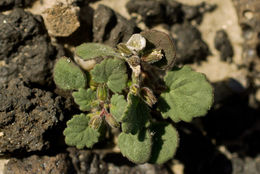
(111, 121)
(134, 89)
(153, 56)
(91, 115)
(93, 85)
(148, 96)
(102, 92)
(124, 50)
(94, 104)
(133, 61)
(96, 121)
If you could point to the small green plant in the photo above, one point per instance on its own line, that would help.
(132, 87)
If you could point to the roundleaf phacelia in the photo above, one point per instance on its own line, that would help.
(127, 88)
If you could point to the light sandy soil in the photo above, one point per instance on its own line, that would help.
(2, 163)
(224, 17)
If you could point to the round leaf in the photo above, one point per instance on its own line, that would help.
(165, 142)
(137, 148)
(68, 76)
(118, 106)
(84, 98)
(136, 115)
(93, 50)
(79, 134)
(112, 72)
(190, 95)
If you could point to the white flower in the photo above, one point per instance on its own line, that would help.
(136, 42)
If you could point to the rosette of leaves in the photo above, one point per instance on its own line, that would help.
(121, 87)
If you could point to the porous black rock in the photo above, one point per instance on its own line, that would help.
(9, 4)
(39, 164)
(189, 44)
(110, 27)
(26, 115)
(85, 161)
(26, 50)
(168, 11)
(156, 11)
(223, 45)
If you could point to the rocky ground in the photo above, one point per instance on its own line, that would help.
(218, 38)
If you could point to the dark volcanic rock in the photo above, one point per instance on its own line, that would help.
(196, 12)
(25, 48)
(156, 11)
(25, 116)
(151, 11)
(167, 11)
(189, 45)
(85, 161)
(111, 28)
(223, 44)
(35, 164)
(9, 4)
(246, 166)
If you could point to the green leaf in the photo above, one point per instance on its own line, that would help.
(79, 134)
(137, 148)
(136, 115)
(190, 95)
(118, 106)
(84, 98)
(92, 50)
(112, 72)
(67, 75)
(165, 142)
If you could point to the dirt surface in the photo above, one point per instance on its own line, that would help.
(218, 38)
(221, 18)
(25, 116)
